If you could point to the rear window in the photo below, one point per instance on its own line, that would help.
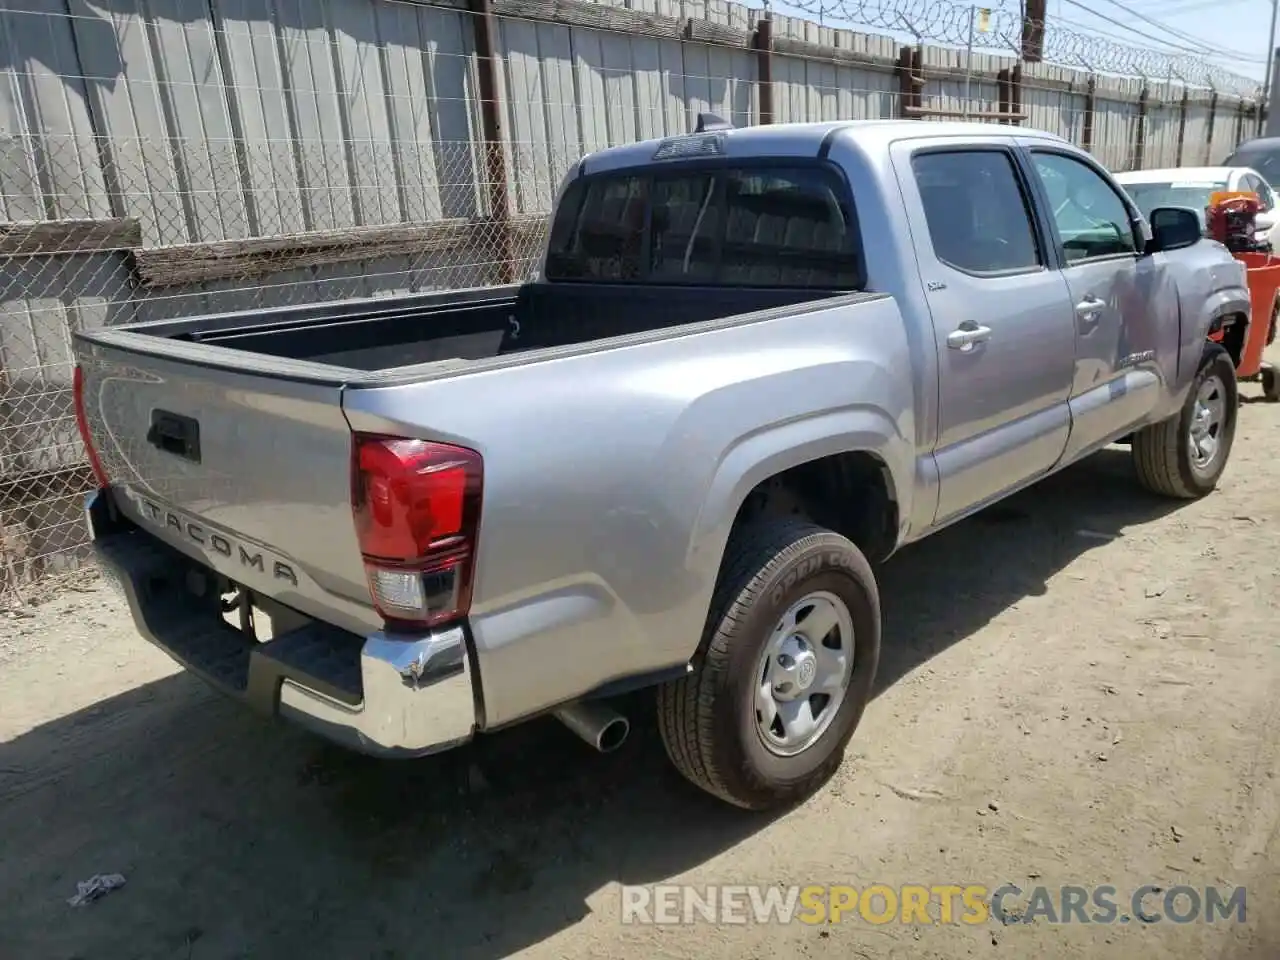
(1264, 159)
(741, 226)
(1189, 193)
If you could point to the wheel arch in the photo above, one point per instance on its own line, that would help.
(861, 442)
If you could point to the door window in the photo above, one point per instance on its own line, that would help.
(976, 210)
(1091, 218)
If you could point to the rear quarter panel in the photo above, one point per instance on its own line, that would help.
(612, 477)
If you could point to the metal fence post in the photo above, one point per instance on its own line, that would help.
(1138, 148)
(762, 42)
(1090, 112)
(1212, 122)
(910, 82)
(1015, 94)
(1182, 126)
(482, 21)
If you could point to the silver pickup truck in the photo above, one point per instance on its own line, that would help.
(750, 364)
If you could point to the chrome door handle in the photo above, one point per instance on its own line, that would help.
(1090, 309)
(968, 335)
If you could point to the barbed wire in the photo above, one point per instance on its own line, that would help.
(941, 21)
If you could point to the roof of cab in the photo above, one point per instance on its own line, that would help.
(805, 139)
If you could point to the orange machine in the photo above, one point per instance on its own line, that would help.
(1230, 219)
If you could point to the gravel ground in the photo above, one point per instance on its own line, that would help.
(1079, 686)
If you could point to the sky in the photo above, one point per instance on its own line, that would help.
(1231, 34)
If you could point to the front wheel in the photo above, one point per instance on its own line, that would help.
(785, 671)
(1184, 455)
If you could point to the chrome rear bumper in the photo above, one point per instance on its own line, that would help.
(418, 698)
(385, 695)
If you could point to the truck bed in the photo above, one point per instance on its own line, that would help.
(230, 436)
(372, 335)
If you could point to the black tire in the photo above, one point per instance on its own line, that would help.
(708, 719)
(1270, 383)
(1161, 452)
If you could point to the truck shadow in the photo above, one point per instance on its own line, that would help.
(943, 589)
(244, 838)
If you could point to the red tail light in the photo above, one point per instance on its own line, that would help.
(417, 515)
(82, 424)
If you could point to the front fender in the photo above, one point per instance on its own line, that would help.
(1220, 304)
(1214, 310)
(1210, 289)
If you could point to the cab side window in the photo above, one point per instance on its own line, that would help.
(1091, 218)
(978, 218)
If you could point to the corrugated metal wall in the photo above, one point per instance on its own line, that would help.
(223, 119)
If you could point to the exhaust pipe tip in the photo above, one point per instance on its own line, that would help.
(613, 735)
(602, 728)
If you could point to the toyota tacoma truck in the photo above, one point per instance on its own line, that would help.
(749, 365)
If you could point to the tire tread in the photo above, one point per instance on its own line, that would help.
(1158, 449)
(686, 707)
(1155, 457)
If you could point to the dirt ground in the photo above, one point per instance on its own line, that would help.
(1098, 666)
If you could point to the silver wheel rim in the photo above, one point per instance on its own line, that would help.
(803, 673)
(1208, 416)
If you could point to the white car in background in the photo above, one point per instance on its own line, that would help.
(1192, 187)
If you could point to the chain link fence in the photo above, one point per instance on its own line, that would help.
(168, 159)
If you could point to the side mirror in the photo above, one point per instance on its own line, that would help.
(1265, 220)
(1173, 228)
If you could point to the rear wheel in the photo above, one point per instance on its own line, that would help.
(1184, 455)
(1270, 384)
(788, 659)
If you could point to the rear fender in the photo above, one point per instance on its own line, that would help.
(757, 457)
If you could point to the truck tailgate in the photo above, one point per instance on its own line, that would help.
(247, 472)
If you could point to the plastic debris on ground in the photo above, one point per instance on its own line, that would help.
(96, 886)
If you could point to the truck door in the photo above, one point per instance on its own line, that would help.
(1001, 316)
(1117, 295)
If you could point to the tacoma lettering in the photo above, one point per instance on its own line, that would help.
(215, 541)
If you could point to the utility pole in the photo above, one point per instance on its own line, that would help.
(1265, 107)
(1034, 14)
